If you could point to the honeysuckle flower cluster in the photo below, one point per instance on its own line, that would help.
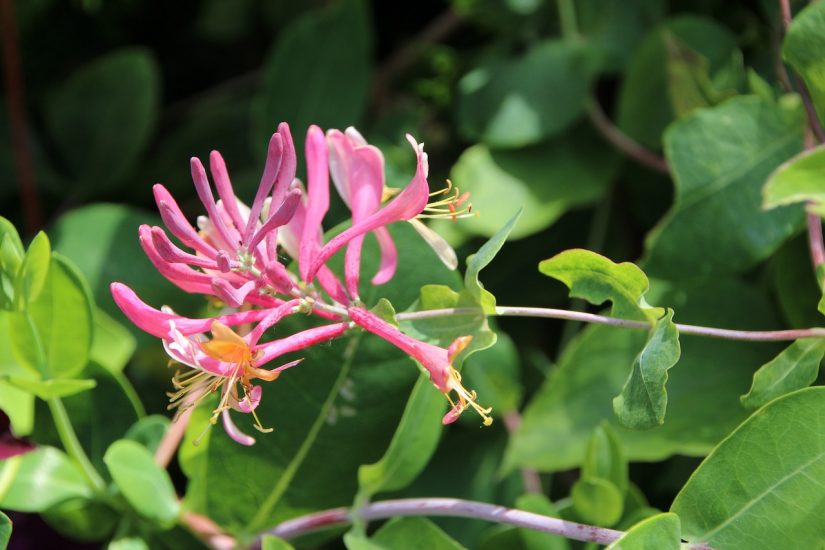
(236, 256)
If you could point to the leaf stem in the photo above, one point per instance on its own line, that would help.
(72, 445)
(567, 18)
(449, 507)
(550, 313)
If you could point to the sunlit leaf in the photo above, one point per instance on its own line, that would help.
(662, 531)
(793, 369)
(36, 481)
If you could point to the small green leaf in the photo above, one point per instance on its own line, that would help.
(53, 335)
(793, 369)
(145, 485)
(412, 533)
(128, 543)
(605, 458)
(798, 180)
(772, 466)
(597, 501)
(662, 531)
(32, 273)
(112, 345)
(16, 403)
(5, 530)
(11, 256)
(481, 259)
(643, 400)
(535, 540)
(385, 311)
(518, 101)
(148, 431)
(804, 49)
(271, 542)
(47, 389)
(40, 479)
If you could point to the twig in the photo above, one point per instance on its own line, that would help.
(170, 442)
(711, 332)
(15, 94)
(622, 141)
(449, 507)
(529, 477)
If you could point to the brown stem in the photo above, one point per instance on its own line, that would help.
(15, 94)
(622, 141)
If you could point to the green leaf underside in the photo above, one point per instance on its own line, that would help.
(797, 180)
(772, 466)
(643, 399)
(804, 49)
(146, 486)
(662, 532)
(560, 419)
(793, 369)
(40, 479)
(720, 158)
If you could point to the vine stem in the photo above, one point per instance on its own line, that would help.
(72, 445)
(450, 507)
(711, 332)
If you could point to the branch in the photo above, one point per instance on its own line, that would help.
(622, 141)
(549, 313)
(449, 507)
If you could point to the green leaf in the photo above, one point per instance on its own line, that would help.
(128, 543)
(39, 480)
(720, 158)
(412, 445)
(513, 102)
(804, 47)
(644, 111)
(270, 542)
(148, 431)
(83, 519)
(793, 369)
(16, 403)
(11, 256)
(411, 533)
(689, 83)
(145, 485)
(32, 273)
(53, 335)
(597, 501)
(102, 116)
(797, 180)
(308, 80)
(605, 458)
(112, 345)
(5, 530)
(546, 180)
(643, 400)
(772, 466)
(576, 398)
(481, 259)
(662, 531)
(47, 389)
(535, 540)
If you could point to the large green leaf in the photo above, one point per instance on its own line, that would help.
(797, 180)
(102, 116)
(33, 271)
(517, 101)
(112, 345)
(793, 369)
(344, 401)
(662, 531)
(772, 466)
(576, 397)
(54, 334)
(546, 180)
(146, 486)
(804, 49)
(36, 481)
(720, 158)
(318, 72)
(644, 108)
(16, 403)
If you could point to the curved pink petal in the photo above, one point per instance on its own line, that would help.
(231, 296)
(275, 315)
(182, 276)
(223, 184)
(352, 265)
(172, 254)
(279, 218)
(222, 234)
(332, 285)
(299, 341)
(250, 402)
(272, 166)
(289, 162)
(234, 432)
(389, 257)
(174, 219)
(317, 201)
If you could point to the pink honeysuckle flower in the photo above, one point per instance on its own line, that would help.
(437, 360)
(227, 359)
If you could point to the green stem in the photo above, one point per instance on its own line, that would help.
(567, 18)
(72, 445)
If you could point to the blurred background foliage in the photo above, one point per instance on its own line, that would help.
(510, 98)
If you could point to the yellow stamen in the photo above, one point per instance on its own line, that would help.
(467, 399)
(449, 206)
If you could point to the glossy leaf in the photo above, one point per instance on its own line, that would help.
(719, 158)
(797, 180)
(662, 531)
(772, 466)
(597, 501)
(643, 399)
(32, 274)
(102, 116)
(546, 180)
(513, 102)
(53, 335)
(144, 484)
(804, 49)
(337, 66)
(46, 389)
(36, 481)
(559, 420)
(793, 369)
(411, 533)
(16, 403)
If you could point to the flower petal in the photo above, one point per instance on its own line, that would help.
(232, 431)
